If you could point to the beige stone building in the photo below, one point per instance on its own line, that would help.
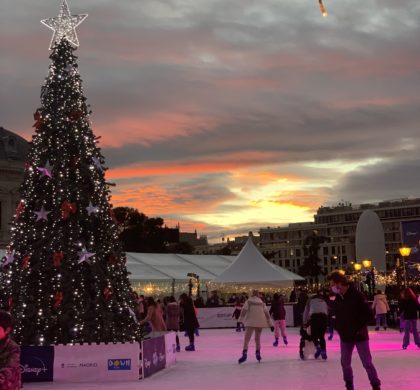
(13, 151)
(285, 245)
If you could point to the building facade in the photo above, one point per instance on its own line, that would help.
(285, 245)
(13, 151)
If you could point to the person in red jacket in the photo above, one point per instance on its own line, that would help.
(9, 355)
(352, 315)
(409, 307)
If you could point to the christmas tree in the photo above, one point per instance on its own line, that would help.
(64, 277)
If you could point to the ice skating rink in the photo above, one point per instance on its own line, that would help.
(214, 366)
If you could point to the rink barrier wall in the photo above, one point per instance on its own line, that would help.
(98, 362)
(222, 316)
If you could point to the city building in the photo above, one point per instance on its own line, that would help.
(285, 246)
(192, 238)
(13, 151)
(230, 247)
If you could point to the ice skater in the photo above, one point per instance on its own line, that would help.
(236, 313)
(278, 312)
(381, 307)
(189, 319)
(316, 312)
(305, 341)
(409, 308)
(255, 316)
(353, 313)
(172, 319)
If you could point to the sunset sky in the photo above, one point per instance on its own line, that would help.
(231, 115)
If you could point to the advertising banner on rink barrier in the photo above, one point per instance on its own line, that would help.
(97, 362)
(154, 359)
(216, 317)
(221, 317)
(170, 348)
(37, 363)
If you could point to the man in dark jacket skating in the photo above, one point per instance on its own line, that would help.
(352, 315)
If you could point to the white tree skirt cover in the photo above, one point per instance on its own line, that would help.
(214, 366)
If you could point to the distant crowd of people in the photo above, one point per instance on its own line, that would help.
(168, 315)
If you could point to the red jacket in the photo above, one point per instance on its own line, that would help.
(9, 365)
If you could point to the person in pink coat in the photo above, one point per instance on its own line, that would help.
(381, 307)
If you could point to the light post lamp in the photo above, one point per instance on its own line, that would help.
(370, 276)
(405, 252)
(357, 267)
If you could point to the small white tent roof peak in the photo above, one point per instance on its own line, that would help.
(251, 267)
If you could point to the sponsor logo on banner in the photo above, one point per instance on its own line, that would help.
(39, 367)
(36, 363)
(79, 365)
(119, 364)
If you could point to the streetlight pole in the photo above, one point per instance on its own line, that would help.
(405, 252)
(357, 267)
(370, 277)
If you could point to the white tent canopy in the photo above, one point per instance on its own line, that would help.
(168, 267)
(251, 268)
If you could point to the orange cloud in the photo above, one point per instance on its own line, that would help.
(226, 163)
(157, 126)
(374, 101)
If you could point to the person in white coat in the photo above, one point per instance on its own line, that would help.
(381, 307)
(255, 317)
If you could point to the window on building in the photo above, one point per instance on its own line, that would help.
(287, 263)
(325, 250)
(344, 260)
(298, 262)
(325, 260)
(298, 252)
(333, 250)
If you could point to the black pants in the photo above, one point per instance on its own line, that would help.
(318, 328)
(190, 332)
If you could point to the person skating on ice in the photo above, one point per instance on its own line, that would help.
(278, 312)
(381, 307)
(255, 316)
(172, 319)
(409, 307)
(316, 312)
(236, 313)
(353, 313)
(188, 319)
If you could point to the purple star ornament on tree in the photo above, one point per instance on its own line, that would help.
(84, 256)
(46, 171)
(91, 209)
(42, 214)
(97, 163)
(9, 258)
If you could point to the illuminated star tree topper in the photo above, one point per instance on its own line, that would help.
(64, 26)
